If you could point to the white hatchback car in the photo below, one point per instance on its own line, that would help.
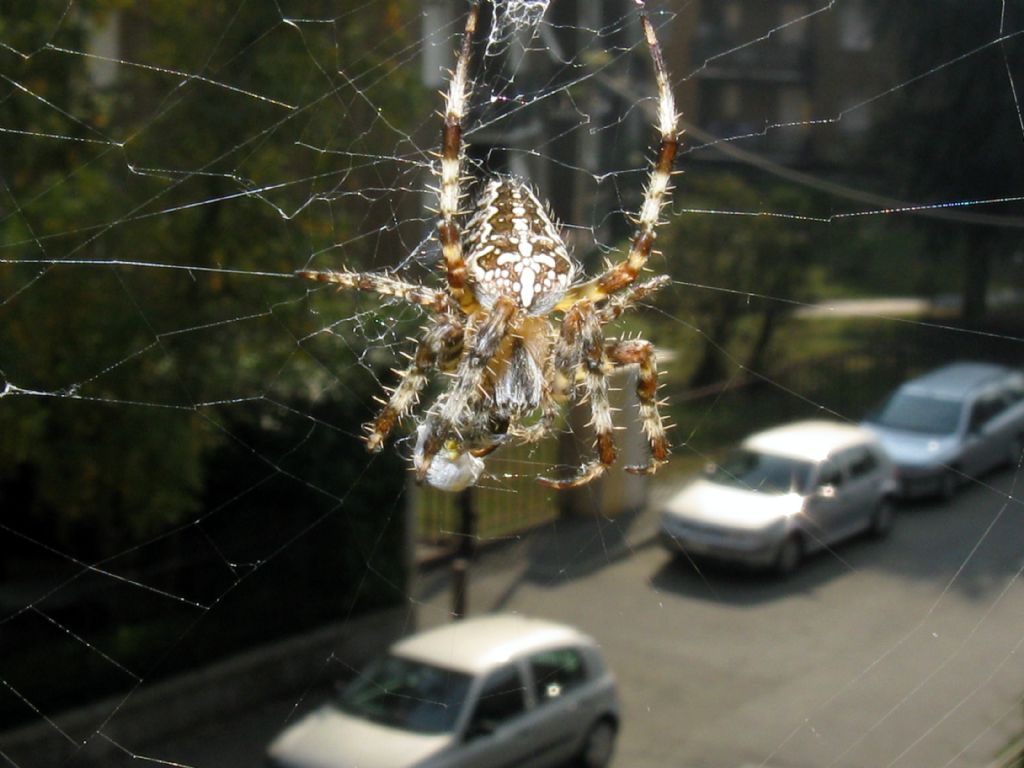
(784, 493)
(490, 691)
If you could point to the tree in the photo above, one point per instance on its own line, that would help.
(190, 171)
(166, 405)
(740, 264)
(953, 131)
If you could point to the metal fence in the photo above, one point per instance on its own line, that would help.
(508, 499)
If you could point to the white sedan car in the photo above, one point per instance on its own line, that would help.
(784, 493)
(491, 691)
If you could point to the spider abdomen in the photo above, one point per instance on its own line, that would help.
(514, 249)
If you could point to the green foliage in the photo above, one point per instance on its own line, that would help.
(149, 170)
(881, 256)
(173, 414)
(952, 133)
(749, 262)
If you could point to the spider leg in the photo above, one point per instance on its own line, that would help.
(619, 303)
(449, 191)
(440, 348)
(659, 183)
(641, 352)
(457, 410)
(385, 286)
(581, 345)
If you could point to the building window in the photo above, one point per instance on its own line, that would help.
(856, 119)
(793, 24)
(730, 101)
(732, 16)
(793, 106)
(855, 32)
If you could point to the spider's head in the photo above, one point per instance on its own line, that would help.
(514, 249)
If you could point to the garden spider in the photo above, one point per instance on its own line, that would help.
(519, 334)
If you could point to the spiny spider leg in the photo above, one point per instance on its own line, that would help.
(439, 301)
(620, 302)
(640, 352)
(659, 183)
(464, 395)
(581, 333)
(582, 346)
(624, 273)
(440, 349)
(449, 192)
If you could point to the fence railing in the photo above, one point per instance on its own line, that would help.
(508, 499)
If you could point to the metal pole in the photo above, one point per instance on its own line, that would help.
(464, 552)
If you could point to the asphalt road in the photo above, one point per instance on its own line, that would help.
(902, 652)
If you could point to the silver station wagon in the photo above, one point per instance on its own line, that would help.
(956, 422)
(494, 691)
(783, 493)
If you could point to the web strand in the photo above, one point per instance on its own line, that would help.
(183, 473)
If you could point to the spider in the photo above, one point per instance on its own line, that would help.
(515, 327)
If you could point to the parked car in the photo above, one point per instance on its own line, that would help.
(956, 422)
(496, 690)
(783, 493)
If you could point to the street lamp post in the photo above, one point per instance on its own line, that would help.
(464, 552)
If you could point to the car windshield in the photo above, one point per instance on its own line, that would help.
(406, 694)
(919, 413)
(762, 472)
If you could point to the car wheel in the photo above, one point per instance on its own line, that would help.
(882, 519)
(789, 555)
(599, 745)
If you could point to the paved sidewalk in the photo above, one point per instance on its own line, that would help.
(567, 550)
(580, 542)
(569, 546)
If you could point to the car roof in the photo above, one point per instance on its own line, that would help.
(955, 380)
(811, 440)
(479, 644)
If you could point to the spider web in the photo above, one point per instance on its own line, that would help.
(183, 486)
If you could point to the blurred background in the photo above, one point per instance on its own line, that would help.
(181, 473)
